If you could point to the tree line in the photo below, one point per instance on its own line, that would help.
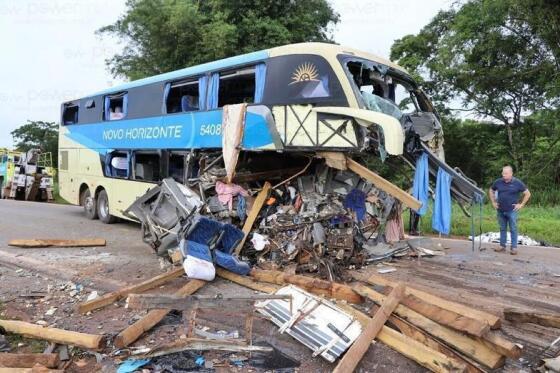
(491, 67)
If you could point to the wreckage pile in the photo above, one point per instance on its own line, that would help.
(320, 220)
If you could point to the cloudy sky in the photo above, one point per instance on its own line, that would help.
(50, 53)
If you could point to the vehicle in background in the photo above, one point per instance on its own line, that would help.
(30, 177)
(301, 99)
(8, 159)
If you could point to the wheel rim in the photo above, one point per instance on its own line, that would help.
(89, 204)
(104, 207)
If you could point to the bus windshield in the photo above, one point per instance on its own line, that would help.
(385, 90)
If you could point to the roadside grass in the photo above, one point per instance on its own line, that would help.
(539, 223)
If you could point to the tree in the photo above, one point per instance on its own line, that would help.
(498, 58)
(37, 135)
(166, 35)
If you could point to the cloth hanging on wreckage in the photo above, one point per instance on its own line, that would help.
(394, 229)
(233, 125)
(441, 217)
(226, 193)
(421, 183)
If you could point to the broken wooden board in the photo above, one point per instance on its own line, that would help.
(416, 351)
(36, 369)
(383, 184)
(39, 242)
(520, 316)
(469, 346)
(310, 284)
(200, 344)
(134, 331)
(252, 216)
(111, 298)
(248, 282)
(445, 317)
(352, 357)
(238, 303)
(492, 320)
(10, 360)
(335, 160)
(89, 341)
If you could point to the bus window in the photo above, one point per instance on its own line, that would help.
(183, 96)
(116, 164)
(237, 87)
(70, 115)
(177, 167)
(116, 106)
(146, 166)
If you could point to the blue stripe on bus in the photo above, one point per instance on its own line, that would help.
(193, 70)
(195, 130)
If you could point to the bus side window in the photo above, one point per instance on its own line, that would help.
(116, 106)
(182, 96)
(70, 115)
(146, 166)
(237, 87)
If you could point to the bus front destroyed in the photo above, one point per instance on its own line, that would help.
(279, 211)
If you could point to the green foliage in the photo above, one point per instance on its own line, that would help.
(498, 58)
(165, 35)
(37, 135)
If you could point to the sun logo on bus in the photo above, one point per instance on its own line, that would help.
(305, 72)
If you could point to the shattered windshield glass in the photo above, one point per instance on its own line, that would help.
(380, 90)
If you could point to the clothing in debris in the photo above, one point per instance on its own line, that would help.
(356, 201)
(226, 193)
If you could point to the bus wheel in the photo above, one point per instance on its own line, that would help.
(103, 208)
(90, 207)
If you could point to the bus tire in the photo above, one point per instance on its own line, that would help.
(103, 208)
(89, 203)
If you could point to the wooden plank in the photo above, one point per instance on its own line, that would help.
(36, 369)
(134, 331)
(111, 298)
(334, 159)
(520, 316)
(426, 339)
(246, 281)
(383, 184)
(352, 357)
(492, 320)
(237, 303)
(90, 341)
(9, 360)
(445, 317)
(40, 242)
(199, 344)
(415, 351)
(313, 285)
(467, 345)
(255, 209)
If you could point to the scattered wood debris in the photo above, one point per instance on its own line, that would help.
(40, 242)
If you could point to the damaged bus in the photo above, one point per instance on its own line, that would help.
(300, 99)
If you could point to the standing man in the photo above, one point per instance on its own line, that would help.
(508, 188)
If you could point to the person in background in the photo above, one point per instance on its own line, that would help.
(507, 205)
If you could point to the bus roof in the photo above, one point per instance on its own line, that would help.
(329, 51)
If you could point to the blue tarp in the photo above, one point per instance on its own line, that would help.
(441, 218)
(421, 183)
(260, 76)
(213, 91)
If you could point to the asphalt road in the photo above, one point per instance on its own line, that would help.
(125, 258)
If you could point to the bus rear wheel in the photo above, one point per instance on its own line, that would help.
(103, 208)
(90, 207)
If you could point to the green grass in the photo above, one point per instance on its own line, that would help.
(539, 223)
(56, 195)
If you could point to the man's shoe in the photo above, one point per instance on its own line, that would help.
(500, 250)
(513, 252)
